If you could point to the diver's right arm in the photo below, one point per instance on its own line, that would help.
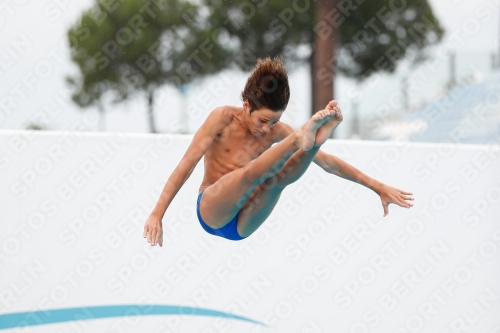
(202, 140)
(173, 185)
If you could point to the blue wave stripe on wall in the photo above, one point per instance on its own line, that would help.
(43, 317)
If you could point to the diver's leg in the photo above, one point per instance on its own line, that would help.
(222, 200)
(265, 197)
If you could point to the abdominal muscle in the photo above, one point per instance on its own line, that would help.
(233, 149)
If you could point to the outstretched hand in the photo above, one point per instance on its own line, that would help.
(390, 195)
(153, 230)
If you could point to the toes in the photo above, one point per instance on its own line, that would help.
(332, 103)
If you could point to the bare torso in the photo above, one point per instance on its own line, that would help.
(235, 146)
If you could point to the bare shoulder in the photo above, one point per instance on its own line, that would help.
(225, 112)
(281, 130)
(220, 117)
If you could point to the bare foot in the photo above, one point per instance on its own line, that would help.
(324, 131)
(307, 133)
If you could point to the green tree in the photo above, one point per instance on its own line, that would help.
(353, 37)
(136, 46)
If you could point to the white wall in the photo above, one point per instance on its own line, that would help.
(74, 205)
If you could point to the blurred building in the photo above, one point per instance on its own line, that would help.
(466, 113)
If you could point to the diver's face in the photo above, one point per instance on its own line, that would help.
(261, 121)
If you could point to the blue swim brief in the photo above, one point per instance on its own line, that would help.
(229, 231)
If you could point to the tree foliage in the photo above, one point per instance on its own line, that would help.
(366, 30)
(131, 46)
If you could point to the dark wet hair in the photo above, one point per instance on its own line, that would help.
(267, 86)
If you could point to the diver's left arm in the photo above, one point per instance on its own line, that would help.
(334, 165)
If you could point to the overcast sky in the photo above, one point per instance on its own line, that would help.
(33, 75)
